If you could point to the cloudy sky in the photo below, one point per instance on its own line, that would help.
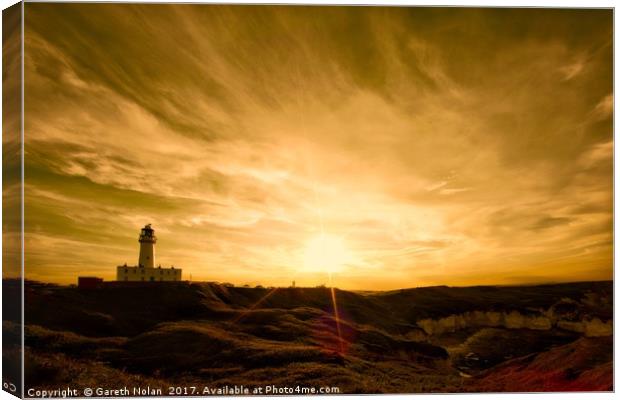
(431, 146)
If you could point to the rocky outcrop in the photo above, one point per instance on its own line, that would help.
(589, 327)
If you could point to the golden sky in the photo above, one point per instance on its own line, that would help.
(428, 146)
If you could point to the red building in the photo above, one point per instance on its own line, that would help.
(89, 282)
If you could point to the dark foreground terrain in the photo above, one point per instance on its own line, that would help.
(434, 339)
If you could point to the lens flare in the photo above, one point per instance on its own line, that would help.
(253, 306)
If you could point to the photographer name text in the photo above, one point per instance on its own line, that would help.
(138, 391)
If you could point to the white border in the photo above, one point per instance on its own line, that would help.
(451, 3)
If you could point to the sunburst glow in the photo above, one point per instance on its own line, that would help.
(326, 253)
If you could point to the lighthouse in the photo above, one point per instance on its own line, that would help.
(147, 241)
(146, 271)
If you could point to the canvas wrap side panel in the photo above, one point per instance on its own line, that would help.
(12, 283)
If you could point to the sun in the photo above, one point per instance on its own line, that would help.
(326, 253)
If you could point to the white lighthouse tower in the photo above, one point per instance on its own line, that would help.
(147, 247)
(146, 271)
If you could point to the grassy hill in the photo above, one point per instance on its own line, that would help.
(206, 333)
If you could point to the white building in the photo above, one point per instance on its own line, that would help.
(146, 271)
